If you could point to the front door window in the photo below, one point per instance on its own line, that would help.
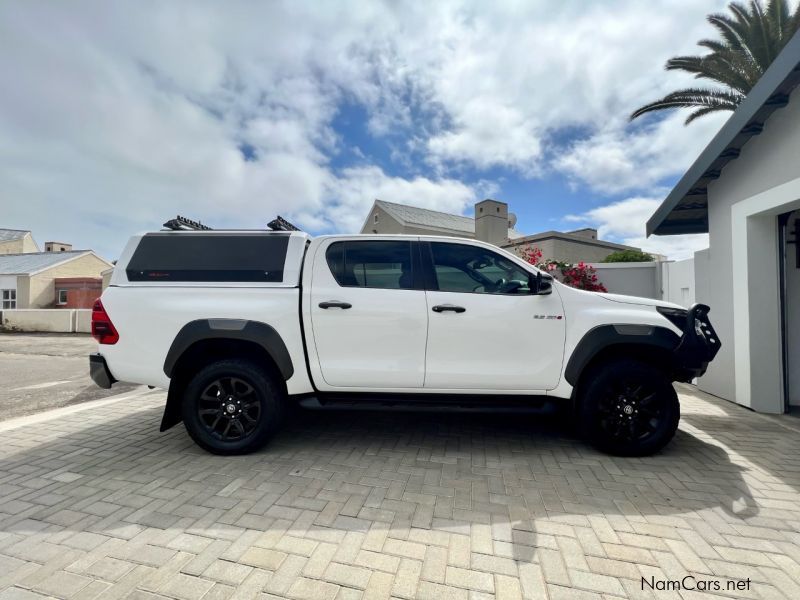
(473, 269)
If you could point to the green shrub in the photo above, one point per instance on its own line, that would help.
(628, 256)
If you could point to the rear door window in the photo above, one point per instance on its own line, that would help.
(372, 264)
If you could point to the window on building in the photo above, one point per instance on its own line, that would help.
(62, 296)
(9, 299)
(385, 265)
(375, 219)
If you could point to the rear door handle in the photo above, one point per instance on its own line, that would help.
(448, 307)
(335, 304)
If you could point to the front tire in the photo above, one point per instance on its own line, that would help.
(232, 407)
(628, 408)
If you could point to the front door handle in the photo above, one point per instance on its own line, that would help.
(448, 307)
(335, 304)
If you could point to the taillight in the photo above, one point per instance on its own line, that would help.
(103, 329)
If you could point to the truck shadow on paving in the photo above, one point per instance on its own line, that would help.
(524, 477)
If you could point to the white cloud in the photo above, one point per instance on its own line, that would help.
(356, 189)
(617, 160)
(624, 222)
(115, 119)
(510, 77)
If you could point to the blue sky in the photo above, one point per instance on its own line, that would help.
(230, 114)
(540, 202)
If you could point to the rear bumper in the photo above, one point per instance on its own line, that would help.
(98, 371)
(698, 346)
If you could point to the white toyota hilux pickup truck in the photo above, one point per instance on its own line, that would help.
(239, 325)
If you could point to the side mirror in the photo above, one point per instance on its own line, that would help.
(541, 284)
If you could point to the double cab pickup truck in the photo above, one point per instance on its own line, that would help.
(240, 326)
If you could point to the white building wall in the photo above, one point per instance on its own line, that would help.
(678, 283)
(8, 282)
(741, 271)
(631, 279)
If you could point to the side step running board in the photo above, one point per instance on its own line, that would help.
(539, 405)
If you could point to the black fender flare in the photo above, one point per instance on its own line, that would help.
(208, 329)
(604, 336)
(236, 329)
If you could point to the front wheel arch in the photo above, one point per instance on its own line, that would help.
(646, 342)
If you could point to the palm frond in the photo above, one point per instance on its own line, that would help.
(693, 97)
(792, 25)
(751, 35)
(731, 31)
(778, 14)
(722, 66)
(700, 112)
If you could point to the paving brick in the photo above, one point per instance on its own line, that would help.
(295, 545)
(507, 588)
(471, 580)
(494, 564)
(434, 591)
(434, 567)
(109, 569)
(593, 582)
(263, 558)
(62, 584)
(319, 560)
(532, 581)
(407, 578)
(393, 506)
(404, 549)
(186, 587)
(227, 572)
(15, 593)
(460, 551)
(377, 561)
(312, 589)
(347, 575)
(286, 574)
(380, 586)
(92, 591)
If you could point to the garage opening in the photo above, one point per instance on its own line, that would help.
(789, 236)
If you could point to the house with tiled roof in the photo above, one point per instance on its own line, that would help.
(492, 223)
(17, 241)
(68, 279)
(59, 277)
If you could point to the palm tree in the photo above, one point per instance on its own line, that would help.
(751, 39)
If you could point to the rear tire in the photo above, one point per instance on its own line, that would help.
(232, 407)
(628, 408)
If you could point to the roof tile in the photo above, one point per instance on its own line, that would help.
(31, 262)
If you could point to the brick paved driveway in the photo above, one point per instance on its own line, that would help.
(99, 504)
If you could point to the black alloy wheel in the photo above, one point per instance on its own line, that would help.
(229, 409)
(628, 407)
(233, 406)
(631, 410)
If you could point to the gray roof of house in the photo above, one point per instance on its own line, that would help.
(33, 262)
(571, 237)
(685, 209)
(8, 235)
(425, 217)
